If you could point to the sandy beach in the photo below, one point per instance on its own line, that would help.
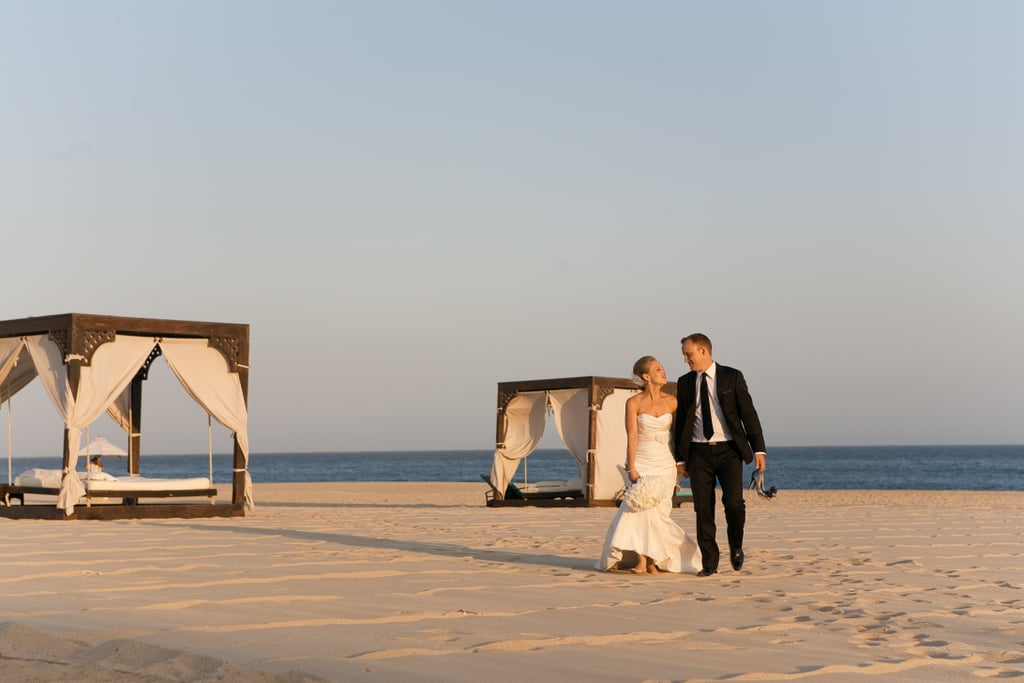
(422, 582)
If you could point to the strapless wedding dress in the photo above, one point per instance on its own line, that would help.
(651, 531)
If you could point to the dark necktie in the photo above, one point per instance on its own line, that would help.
(705, 407)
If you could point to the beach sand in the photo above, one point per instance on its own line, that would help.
(422, 582)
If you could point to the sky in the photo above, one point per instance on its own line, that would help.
(410, 202)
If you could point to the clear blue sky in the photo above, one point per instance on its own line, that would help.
(412, 201)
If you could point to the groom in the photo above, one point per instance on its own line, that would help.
(716, 431)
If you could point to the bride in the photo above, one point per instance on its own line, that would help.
(643, 526)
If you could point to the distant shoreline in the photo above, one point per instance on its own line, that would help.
(941, 468)
(463, 451)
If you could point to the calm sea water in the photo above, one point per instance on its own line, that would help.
(980, 468)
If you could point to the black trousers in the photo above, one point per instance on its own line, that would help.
(707, 463)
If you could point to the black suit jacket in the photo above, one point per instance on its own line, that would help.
(737, 407)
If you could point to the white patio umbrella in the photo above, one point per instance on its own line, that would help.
(100, 446)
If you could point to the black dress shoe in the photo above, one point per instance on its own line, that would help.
(736, 557)
(705, 572)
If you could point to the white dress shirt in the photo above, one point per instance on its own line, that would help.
(721, 431)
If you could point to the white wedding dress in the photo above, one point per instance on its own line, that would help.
(651, 531)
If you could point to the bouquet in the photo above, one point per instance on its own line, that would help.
(644, 494)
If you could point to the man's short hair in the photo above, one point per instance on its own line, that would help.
(697, 339)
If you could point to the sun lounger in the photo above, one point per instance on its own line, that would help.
(100, 485)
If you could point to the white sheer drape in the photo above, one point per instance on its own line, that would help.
(611, 444)
(570, 410)
(20, 374)
(120, 410)
(49, 362)
(16, 369)
(111, 369)
(524, 427)
(109, 375)
(205, 374)
(9, 350)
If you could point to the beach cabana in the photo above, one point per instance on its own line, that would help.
(589, 414)
(91, 364)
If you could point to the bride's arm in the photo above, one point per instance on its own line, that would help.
(632, 431)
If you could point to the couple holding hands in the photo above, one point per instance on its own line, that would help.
(715, 429)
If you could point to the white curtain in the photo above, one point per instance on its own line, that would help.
(570, 409)
(205, 374)
(49, 362)
(524, 428)
(19, 376)
(52, 372)
(14, 375)
(611, 444)
(111, 369)
(9, 350)
(120, 410)
(109, 375)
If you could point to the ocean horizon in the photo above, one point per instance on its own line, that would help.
(977, 468)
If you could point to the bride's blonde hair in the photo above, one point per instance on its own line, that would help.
(640, 367)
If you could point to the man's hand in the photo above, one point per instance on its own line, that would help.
(681, 470)
(759, 461)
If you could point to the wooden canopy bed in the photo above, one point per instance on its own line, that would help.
(589, 413)
(209, 357)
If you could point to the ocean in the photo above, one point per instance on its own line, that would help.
(944, 468)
